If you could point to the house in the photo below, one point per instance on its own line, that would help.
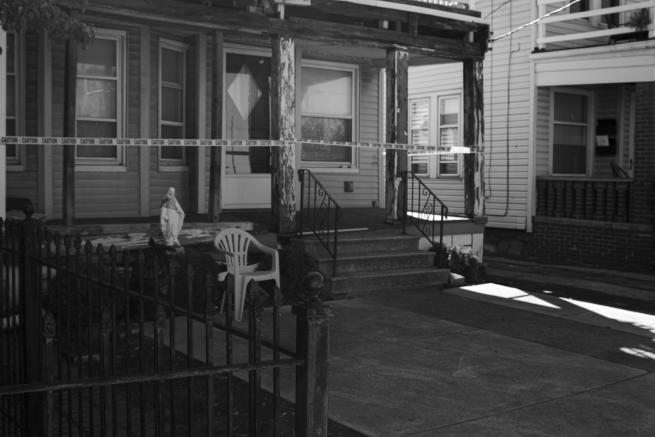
(569, 160)
(213, 71)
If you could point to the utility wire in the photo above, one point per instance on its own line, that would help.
(536, 20)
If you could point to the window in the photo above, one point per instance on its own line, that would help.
(570, 133)
(100, 90)
(14, 152)
(435, 120)
(172, 68)
(419, 110)
(327, 113)
(448, 165)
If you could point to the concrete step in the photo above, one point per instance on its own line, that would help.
(359, 283)
(378, 261)
(354, 245)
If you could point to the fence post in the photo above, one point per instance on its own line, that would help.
(312, 340)
(50, 364)
(30, 301)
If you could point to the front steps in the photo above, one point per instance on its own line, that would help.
(367, 263)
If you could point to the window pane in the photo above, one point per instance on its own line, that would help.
(172, 63)
(571, 108)
(172, 152)
(96, 129)
(325, 153)
(10, 127)
(11, 53)
(172, 104)
(448, 137)
(420, 137)
(96, 98)
(327, 129)
(449, 105)
(570, 135)
(448, 119)
(172, 131)
(448, 168)
(569, 159)
(11, 151)
(98, 59)
(96, 152)
(327, 92)
(11, 96)
(420, 168)
(420, 112)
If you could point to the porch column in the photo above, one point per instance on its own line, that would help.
(396, 130)
(3, 127)
(216, 165)
(474, 138)
(283, 124)
(70, 79)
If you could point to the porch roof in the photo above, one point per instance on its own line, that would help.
(426, 30)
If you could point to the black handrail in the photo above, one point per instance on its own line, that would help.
(420, 208)
(319, 212)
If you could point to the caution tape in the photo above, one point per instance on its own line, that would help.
(190, 142)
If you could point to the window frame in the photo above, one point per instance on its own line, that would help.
(589, 131)
(333, 166)
(88, 164)
(434, 126)
(16, 162)
(164, 163)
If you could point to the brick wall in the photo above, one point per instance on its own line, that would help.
(599, 246)
(642, 199)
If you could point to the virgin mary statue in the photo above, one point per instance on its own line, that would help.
(171, 218)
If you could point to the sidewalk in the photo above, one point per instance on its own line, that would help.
(438, 363)
(624, 289)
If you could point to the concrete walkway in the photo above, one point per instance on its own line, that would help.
(441, 363)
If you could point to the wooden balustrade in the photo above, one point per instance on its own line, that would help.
(584, 199)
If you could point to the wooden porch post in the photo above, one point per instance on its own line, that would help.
(396, 130)
(70, 86)
(283, 118)
(216, 165)
(473, 137)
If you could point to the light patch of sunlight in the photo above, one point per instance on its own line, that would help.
(640, 320)
(431, 217)
(637, 352)
(511, 293)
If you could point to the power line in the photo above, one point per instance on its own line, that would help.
(536, 20)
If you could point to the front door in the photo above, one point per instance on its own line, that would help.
(247, 180)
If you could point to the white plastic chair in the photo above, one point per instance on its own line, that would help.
(234, 243)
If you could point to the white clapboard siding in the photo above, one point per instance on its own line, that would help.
(25, 183)
(100, 194)
(435, 81)
(542, 140)
(506, 126)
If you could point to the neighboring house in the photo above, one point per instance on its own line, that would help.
(569, 162)
(150, 73)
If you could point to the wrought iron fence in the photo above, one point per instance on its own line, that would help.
(584, 199)
(423, 209)
(319, 214)
(97, 342)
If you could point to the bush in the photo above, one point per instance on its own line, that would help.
(462, 262)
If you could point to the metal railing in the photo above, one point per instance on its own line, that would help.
(319, 214)
(597, 25)
(423, 209)
(97, 342)
(584, 199)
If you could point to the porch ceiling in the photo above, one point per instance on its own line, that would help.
(618, 63)
(332, 22)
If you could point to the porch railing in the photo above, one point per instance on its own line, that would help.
(319, 214)
(97, 342)
(584, 199)
(425, 210)
(597, 24)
